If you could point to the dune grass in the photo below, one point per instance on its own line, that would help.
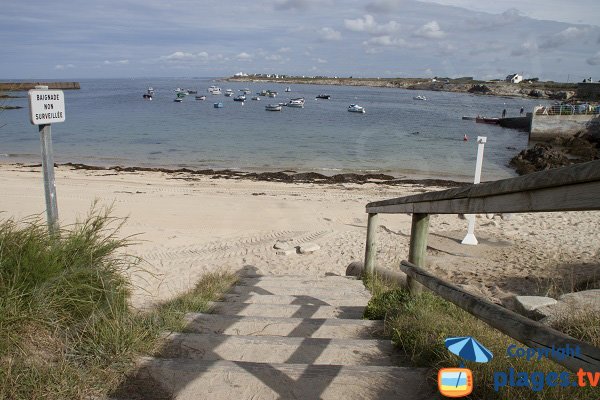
(419, 325)
(66, 328)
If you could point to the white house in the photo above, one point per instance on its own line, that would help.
(514, 78)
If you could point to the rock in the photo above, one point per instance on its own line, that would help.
(561, 95)
(479, 89)
(585, 301)
(536, 93)
(309, 248)
(286, 252)
(529, 305)
(506, 217)
(282, 246)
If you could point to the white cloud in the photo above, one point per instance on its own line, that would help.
(321, 61)
(64, 66)
(431, 30)
(383, 6)
(368, 24)
(385, 41)
(329, 34)
(118, 62)
(178, 56)
(284, 50)
(243, 56)
(527, 48)
(300, 5)
(563, 37)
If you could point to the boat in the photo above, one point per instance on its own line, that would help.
(257, 98)
(189, 91)
(178, 100)
(218, 105)
(180, 91)
(288, 89)
(229, 93)
(149, 94)
(271, 93)
(180, 96)
(356, 108)
(201, 97)
(273, 107)
(466, 118)
(324, 96)
(419, 97)
(245, 91)
(241, 97)
(298, 102)
(214, 90)
(262, 93)
(484, 120)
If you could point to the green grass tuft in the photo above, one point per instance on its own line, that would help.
(66, 328)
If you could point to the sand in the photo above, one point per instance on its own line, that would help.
(187, 225)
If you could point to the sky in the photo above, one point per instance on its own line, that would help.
(78, 39)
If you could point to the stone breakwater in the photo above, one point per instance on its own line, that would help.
(21, 86)
(538, 90)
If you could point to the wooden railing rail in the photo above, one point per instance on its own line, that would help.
(575, 188)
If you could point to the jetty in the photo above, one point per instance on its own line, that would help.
(22, 86)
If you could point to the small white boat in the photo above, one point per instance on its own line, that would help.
(214, 90)
(149, 94)
(288, 89)
(324, 96)
(298, 102)
(273, 107)
(241, 97)
(271, 93)
(419, 97)
(178, 100)
(218, 105)
(257, 98)
(356, 108)
(245, 91)
(203, 97)
(228, 93)
(190, 91)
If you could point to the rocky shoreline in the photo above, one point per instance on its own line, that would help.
(538, 90)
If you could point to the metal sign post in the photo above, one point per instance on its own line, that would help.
(47, 107)
(470, 238)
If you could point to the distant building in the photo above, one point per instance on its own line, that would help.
(240, 74)
(514, 78)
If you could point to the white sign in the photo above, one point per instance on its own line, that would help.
(47, 106)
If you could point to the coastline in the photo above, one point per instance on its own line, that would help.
(553, 91)
(285, 176)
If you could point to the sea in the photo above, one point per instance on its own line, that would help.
(108, 123)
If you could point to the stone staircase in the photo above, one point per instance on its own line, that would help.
(280, 337)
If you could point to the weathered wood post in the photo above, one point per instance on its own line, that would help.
(371, 250)
(418, 247)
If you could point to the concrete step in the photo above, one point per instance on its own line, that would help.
(280, 349)
(317, 292)
(286, 310)
(297, 300)
(195, 379)
(292, 327)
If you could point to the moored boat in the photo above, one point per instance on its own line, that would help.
(356, 108)
(245, 91)
(257, 98)
(324, 96)
(273, 107)
(420, 97)
(298, 102)
(288, 89)
(214, 90)
(201, 97)
(218, 105)
(228, 93)
(484, 120)
(241, 97)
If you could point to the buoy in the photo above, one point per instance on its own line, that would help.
(465, 138)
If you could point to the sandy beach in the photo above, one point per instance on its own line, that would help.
(186, 225)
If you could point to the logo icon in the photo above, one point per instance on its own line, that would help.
(458, 382)
(455, 382)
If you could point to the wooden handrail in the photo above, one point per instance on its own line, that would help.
(525, 330)
(571, 188)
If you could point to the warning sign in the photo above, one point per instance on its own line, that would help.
(47, 106)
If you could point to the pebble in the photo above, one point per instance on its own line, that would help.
(309, 248)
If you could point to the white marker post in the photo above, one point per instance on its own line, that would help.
(47, 107)
(470, 238)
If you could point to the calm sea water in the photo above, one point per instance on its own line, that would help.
(108, 123)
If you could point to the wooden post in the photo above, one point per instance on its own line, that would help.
(418, 246)
(371, 250)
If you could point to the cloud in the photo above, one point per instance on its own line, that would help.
(243, 56)
(386, 41)
(594, 60)
(285, 50)
(430, 30)
(299, 5)
(563, 37)
(118, 62)
(329, 34)
(63, 66)
(527, 48)
(383, 6)
(321, 61)
(368, 24)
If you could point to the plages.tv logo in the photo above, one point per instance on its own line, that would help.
(458, 382)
